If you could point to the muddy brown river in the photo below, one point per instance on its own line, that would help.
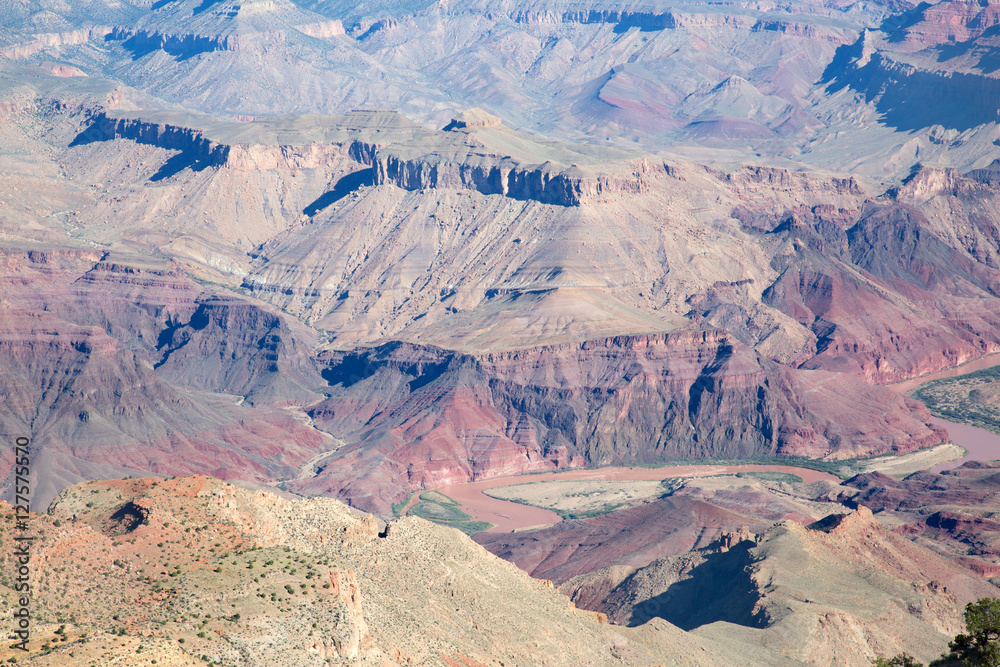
(981, 444)
(507, 516)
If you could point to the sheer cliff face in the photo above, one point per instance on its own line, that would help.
(945, 52)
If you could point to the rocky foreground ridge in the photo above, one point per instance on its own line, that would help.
(191, 570)
(808, 592)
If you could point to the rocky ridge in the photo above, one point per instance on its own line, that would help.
(484, 157)
(836, 592)
(948, 510)
(194, 567)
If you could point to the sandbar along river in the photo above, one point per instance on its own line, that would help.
(506, 516)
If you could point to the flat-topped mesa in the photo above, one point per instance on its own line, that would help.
(190, 26)
(195, 43)
(190, 43)
(302, 142)
(42, 41)
(473, 118)
(105, 127)
(548, 183)
(476, 153)
(669, 20)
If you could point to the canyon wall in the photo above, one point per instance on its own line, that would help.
(547, 183)
(105, 368)
(419, 417)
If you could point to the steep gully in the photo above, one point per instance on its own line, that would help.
(508, 516)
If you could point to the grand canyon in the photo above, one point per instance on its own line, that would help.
(532, 332)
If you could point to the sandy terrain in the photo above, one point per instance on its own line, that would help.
(578, 496)
(948, 454)
(508, 516)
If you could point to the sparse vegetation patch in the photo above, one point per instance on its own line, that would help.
(439, 508)
(581, 498)
(973, 398)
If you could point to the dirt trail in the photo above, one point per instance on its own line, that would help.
(507, 516)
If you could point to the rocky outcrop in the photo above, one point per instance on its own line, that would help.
(54, 40)
(955, 508)
(943, 52)
(630, 538)
(190, 44)
(322, 29)
(687, 18)
(952, 22)
(350, 637)
(461, 162)
(104, 127)
(650, 21)
(900, 91)
(188, 28)
(233, 346)
(548, 183)
(786, 180)
(772, 585)
(241, 156)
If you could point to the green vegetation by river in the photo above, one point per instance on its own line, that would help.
(442, 510)
(973, 398)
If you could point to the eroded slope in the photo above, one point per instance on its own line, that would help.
(195, 567)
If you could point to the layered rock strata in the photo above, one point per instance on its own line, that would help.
(409, 158)
(423, 417)
(104, 369)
